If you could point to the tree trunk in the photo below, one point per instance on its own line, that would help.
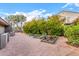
(17, 26)
(21, 26)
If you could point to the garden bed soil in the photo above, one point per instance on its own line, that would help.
(51, 39)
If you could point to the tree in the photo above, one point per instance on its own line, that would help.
(11, 20)
(20, 19)
(76, 21)
(15, 19)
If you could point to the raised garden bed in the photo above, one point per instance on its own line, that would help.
(45, 38)
(50, 39)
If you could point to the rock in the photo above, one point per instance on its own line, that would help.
(50, 39)
(43, 37)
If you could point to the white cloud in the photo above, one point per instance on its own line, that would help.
(20, 13)
(71, 4)
(77, 4)
(35, 14)
(7, 14)
(71, 8)
(66, 5)
(32, 14)
(48, 14)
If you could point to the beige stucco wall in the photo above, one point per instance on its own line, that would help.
(2, 29)
(70, 16)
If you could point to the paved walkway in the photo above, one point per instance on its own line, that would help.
(23, 45)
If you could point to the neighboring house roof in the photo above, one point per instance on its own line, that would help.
(3, 22)
(68, 11)
(69, 15)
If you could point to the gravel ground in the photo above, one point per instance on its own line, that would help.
(23, 45)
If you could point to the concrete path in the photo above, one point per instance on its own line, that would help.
(23, 45)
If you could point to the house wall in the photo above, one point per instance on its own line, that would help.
(70, 16)
(2, 29)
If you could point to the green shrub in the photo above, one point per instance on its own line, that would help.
(55, 26)
(72, 33)
(51, 26)
(30, 27)
(26, 27)
(76, 21)
(36, 26)
(42, 25)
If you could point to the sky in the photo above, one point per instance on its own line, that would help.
(31, 10)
